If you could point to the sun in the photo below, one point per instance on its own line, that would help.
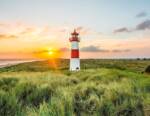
(50, 51)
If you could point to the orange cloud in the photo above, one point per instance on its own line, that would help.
(4, 36)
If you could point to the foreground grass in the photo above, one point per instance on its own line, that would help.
(107, 91)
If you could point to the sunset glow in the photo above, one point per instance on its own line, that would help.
(115, 32)
(53, 53)
(50, 52)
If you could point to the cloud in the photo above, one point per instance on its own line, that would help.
(121, 50)
(64, 49)
(80, 28)
(85, 31)
(40, 52)
(141, 14)
(27, 30)
(7, 36)
(143, 25)
(92, 48)
(139, 27)
(123, 29)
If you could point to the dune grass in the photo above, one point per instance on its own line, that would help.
(36, 89)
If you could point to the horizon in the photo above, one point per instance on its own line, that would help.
(81, 59)
(113, 29)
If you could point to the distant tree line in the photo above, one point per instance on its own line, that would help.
(143, 58)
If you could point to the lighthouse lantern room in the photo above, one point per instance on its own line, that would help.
(74, 60)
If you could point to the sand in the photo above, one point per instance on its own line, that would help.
(6, 63)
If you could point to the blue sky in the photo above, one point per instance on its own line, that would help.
(101, 15)
(105, 25)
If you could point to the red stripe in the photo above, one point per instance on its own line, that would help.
(74, 39)
(75, 53)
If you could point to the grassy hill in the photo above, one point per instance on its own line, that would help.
(101, 88)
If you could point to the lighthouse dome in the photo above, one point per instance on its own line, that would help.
(75, 33)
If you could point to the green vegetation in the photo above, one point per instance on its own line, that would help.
(147, 70)
(101, 88)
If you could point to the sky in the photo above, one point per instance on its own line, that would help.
(41, 28)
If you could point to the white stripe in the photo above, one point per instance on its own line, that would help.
(74, 45)
(74, 64)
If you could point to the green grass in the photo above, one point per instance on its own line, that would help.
(101, 88)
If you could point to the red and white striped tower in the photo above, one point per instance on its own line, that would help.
(74, 60)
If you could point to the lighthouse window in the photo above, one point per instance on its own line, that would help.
(77, 68)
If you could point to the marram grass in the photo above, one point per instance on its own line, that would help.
(89, 92)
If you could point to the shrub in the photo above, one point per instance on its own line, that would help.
(40, 95)
(145, 85)
(95, 100)
(23, 91)
(29, 94)
(147, 70)
(123, 103)
(106, 108)
(133, 107)
(86, 100)
(72, 81)
(58, 106)
(8, 83)
(8, 105)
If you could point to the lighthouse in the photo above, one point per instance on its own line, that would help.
(74, 60)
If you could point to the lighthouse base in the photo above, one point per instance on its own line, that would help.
(74, 64)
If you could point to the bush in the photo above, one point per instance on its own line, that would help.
(8, 105)
(96, 100)
(23, 91)
(145, 85)
(86, 100)
(7, 84)
(29, 94)
(40, 95)
(147, 70)
(72, 81)
(106, 108)
(124, 103)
